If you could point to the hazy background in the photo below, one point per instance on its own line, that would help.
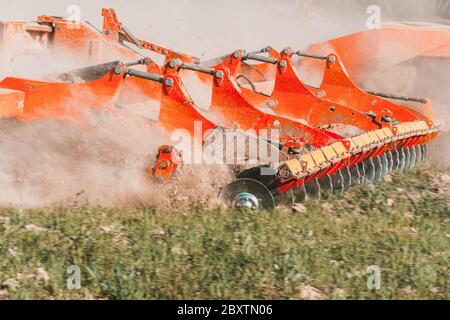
(212, 27)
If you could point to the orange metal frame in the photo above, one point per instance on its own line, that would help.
(337, 101)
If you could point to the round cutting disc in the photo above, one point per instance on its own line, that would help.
(286, 199)
(247, 193)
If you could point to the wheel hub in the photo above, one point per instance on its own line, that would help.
(245, 200)
(247, 193)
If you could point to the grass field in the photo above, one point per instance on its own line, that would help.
(401, 226)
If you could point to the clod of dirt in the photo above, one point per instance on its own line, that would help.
(442, 184)
(339, 293)
(13, 252)
(42, 275)
(445, 178)
(309, 293)
(33, 227)
(298, 207)
(389, 202)
(11, 284)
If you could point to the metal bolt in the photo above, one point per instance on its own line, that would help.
(320, 94)
(386, 119)
(294, 151)
(276, 123)
(173, 64)
(219, 74)
(286, 51)
(283, 63)
(271, 103)
(168, 82)
(118, 70)
(236, 54)
(370, 114)
(332, 59)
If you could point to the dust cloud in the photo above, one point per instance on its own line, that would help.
(52, 163)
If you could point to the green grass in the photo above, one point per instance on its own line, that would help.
(150, 254)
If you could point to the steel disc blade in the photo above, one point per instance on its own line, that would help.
(264, 174)
(407, 158)
(422, 153)
(385, 162)
(390, 158)
(347, 178)
(412, 158)
(412, 151)
(300, 194)
(396, 160)
(362, 171)
(402, 159)
(384, 165)
(338, 182)
(313, 189)
(231, 193)
(378, 169)
(425, 152)
(355, 175)
(326, 184)
(369, 170)
(419, 154)
(286, 199)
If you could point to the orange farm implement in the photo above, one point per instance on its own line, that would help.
(331, 136)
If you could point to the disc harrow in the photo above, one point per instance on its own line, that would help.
(328, 138)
